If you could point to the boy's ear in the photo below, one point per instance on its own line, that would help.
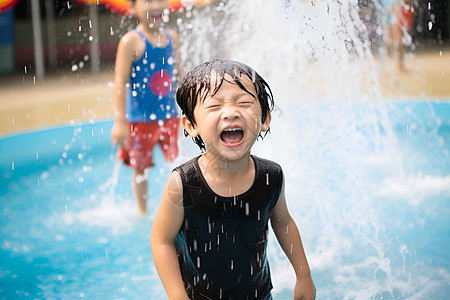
(190, 128)
(265, 126)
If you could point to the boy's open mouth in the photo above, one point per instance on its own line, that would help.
(232, 136)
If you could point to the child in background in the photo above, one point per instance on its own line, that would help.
(209, 236)
(399, 20)
(144, 93)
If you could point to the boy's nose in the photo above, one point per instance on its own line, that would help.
(230, 112)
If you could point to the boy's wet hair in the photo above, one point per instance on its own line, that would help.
(196, 85)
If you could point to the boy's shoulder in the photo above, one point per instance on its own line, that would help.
(190, 165)
(265, 163)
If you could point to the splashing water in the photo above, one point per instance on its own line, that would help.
(113, 210)
(330, 132)
(293, 45)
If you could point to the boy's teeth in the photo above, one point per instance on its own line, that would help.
(232, 135)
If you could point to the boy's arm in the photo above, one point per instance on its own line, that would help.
(122, 69)
(288, 236)
(167, 223)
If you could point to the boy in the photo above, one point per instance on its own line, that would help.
(209, 236)
(145, 113)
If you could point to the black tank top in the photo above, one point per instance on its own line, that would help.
(222, 243)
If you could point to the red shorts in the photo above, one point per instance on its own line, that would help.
(143, 138)
(406, 17)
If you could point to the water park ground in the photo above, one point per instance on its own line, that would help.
(27, 105)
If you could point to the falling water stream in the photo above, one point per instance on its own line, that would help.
(335, 139)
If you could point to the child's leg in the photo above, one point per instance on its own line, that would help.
(140, 190)
(398, 44)
(388, 40)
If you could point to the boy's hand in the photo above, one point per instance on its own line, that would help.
(304, 289)
(119, 134)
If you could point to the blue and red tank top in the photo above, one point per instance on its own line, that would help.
(151, 94)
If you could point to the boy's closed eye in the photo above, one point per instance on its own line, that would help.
(212, 105)
(246, 103)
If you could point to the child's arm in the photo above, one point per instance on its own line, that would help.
(289, 238)
(122, 69)
(167, 223)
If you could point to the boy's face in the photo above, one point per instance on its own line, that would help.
(149, 12)
(230, 121)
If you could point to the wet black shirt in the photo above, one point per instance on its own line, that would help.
(223, 240)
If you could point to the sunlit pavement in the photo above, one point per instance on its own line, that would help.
(26, 104)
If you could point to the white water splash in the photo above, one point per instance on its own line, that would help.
(330, 132)
(113, 210)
